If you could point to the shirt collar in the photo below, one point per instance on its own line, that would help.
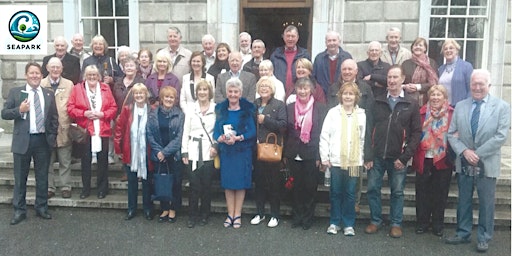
(237, 74)
(402, 95)
(29, 88)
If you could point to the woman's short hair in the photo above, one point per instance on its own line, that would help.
(269, 81)
(306, 63)
(167, 91)
(438, 87)
(234, 82)
(101, 39)
(420, 40)
(150, 54)
(452, 42)
(203, 59)
(222, 45)
(138, 87)
(267, 64)
(163, 54)
(303, 82)
(91, 69)
(206, 84)
(349, 86)
(123, 49)
(130, 58)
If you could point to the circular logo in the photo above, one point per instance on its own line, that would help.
(24, 26)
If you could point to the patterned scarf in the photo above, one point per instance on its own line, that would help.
(423, 72)
(435, 127)
(138, 141)
(304, 118)
(350, 157)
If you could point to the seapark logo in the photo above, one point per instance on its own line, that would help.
(24, 26)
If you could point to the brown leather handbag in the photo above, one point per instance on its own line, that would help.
(270, 152)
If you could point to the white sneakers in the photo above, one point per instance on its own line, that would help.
(259, 218)
(349, 231)
(273, 222)
(333, 229)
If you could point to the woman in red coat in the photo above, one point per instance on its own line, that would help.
(431, 162)
(92, 106)
(130, 144)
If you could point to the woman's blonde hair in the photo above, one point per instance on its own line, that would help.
(349, 86)
(102, 40)
(138, 87)
(162, 55)
(167, 91)
(204, 83)
(438, 87)
(270, 81)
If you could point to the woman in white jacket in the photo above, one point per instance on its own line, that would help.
(341, 150)
(190, 80)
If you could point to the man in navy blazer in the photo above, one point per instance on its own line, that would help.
(235, 70)
(476, 140)
(30, 141)
(70, 63)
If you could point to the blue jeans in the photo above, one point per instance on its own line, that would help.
(343, 188)
(486, 189)
(396, 182)
(133, 188)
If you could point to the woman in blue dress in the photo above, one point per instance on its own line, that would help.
(235, 131)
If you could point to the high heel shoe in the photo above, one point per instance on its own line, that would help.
(237, 225)
(228, 222)
(163, 217)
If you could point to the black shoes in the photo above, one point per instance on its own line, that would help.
(164, 218)
(84, 195)
(102, 195)
(421, 230)
(44, 215)
(191, 223)
(203, 221)
(148, 215)
(130, 216)
(18, 218)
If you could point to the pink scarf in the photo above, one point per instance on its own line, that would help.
(304, 118)
(423, 72)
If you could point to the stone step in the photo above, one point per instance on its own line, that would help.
(117, 200)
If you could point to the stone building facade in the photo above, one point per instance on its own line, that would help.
(144, 23)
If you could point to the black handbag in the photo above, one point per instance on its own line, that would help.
(162, 182)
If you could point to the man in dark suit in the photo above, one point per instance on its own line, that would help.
(70, 62)
(34, 136)
(248, 79)
(479, 128)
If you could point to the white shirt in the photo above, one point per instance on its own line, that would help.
(32, 112)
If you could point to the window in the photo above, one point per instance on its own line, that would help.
(463, 20)
(108, 18)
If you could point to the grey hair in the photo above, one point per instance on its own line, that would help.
(483, 72)
(267, 64)
(332, 32)
(175, 29)
(258, 41)
(234, 82)
(245, 34)
(208, 37)
(375, 43)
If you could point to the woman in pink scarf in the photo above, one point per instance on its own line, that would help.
(305, 119)
(420, 71)
(431, 162)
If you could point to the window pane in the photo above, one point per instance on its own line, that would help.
(476, 28)
(477, 11)
(478, 2)
(474, 52)
(123, 33)
(105, 8)
(437, 27)
(107, 31)
(121, 7)
(89, 8)
(434, 51)
(439, 11)
(456, 28)
(458, 11)
(90, 29)
(459, 2)
(439, 2)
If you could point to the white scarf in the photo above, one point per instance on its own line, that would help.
(138, 141)
(95, 137)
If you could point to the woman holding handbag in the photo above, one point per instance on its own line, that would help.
(164, 133)
(130, 143)
(198, 151)
(270, 118)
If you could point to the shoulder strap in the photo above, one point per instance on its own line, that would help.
(204, 128)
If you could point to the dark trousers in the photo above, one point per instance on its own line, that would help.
(176, 168)
(305, 184)
(39, 151)
(133, 188)
(200, 189)
(268, 185)
(102, 170)
(432, 189)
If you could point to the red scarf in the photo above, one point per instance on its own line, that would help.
(423, 72)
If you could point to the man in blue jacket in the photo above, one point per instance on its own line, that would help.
(326, 68)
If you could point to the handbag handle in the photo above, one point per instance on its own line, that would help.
(270, 135)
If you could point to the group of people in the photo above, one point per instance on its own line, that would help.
(175, 114)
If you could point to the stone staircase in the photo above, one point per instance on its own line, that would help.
(117, 195)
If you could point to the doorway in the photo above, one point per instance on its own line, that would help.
(268, 24)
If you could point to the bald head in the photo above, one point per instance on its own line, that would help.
(235, 61)
(61, 46)
(77, 42)
(349, 70)
(54, 68)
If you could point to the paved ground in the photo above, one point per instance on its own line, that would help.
(75, 231)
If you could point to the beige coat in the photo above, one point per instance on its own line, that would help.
(61, 100)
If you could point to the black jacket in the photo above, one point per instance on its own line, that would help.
(395, 134)
(275, 120)
(70, 67)
(378, 74)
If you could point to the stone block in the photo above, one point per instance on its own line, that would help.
(363, 11)
(188, 12)
(507, 80)
(54, 29)
(155, 12)
(20, 70)
(196, 32)
(410, 30)
(55, 12)
(401, 10)
(8, 70)
(353, 32)
(146, 33)
(358, 51)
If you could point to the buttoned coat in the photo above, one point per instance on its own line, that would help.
(61, 101)
(402, 55)
(248, 82)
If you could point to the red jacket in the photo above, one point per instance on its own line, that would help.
(78, 103)
(419, 157)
